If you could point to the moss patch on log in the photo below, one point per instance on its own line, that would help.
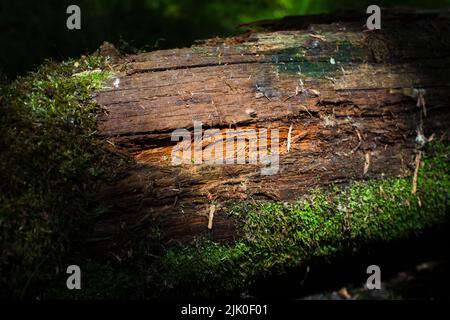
(316, 62)
(279, 235)
(50, 166)
(276, 236)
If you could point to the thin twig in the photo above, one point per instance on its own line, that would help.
(317, 36)
(355, 148)
(306, 109)
(359, 143)
(416, 172)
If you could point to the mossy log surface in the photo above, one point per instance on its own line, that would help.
(356, 101)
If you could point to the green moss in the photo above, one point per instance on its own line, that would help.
(278, 235)
(50, 166)
(310, 60)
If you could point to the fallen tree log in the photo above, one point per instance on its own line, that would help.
(350, 104)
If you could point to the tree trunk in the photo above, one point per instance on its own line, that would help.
(352, 104)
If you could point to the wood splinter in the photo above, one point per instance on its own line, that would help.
(212, 209)
(289, 138)
(366, 163)
(416, 172)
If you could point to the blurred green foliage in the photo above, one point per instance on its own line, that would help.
(31, 31)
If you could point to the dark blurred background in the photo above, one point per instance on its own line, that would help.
(33, 30)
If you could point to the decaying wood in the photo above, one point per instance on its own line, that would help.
(343, 99)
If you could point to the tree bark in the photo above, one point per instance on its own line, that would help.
(353, 104)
